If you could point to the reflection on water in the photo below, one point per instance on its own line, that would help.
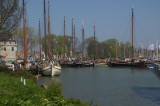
(110, 86)
(157, 73)
(47, 80)
(150, 93)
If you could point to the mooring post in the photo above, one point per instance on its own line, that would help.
(24, 81)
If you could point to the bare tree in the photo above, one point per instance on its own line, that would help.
(31, 37)
(10, 16)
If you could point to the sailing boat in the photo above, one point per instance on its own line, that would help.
(132, 63)
(49, 69)
(52, 69)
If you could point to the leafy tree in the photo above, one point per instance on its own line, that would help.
(10, 16)
(91, 50)
(57, 44)
(110, 48)
(102, 50)
(128, 49)
(32, 40)
(60, 44)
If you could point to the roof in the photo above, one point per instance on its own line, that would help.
(10, 40)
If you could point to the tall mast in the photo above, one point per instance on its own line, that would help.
(45, 31)
(64, 34)
(116, 49)
(49, 48)
(82, 39)
(132, 35)
(31, 44)
(157, 50)
(74, 39)
(124, 52)
(94, 42)
(72, 36)
(119, 49)
(39, 39)
(24, 30)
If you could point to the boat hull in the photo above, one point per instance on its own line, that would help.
(125, 64)
(70, 65)
(56, 71)
(51, 71)
(87, 65)
(156, 66)
(100, 64)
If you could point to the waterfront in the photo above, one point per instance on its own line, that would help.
(110, 86)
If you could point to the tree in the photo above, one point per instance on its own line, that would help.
(32, 40)
(60, 44)
(101, 50)
(57, 44)
(110, 47)
(51, 43)
(91, 50)
(10, 16)
(128, 49)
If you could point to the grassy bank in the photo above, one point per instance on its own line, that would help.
(14, 92)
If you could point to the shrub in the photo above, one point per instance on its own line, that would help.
(13, 92)
(20, 73)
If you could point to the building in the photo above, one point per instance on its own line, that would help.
(8, 49)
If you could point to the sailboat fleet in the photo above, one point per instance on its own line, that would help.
(71, 62)
(52, 67)
(132, 62)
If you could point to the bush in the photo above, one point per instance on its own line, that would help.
(20, 73)
(13, 92)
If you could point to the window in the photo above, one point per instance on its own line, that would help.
(4, 48)
(12, 48)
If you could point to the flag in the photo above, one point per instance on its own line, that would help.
(5, 56)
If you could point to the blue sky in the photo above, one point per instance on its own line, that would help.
(112, 18)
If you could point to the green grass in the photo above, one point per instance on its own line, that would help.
(13, 92)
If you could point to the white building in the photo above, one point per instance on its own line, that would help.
(8, 49)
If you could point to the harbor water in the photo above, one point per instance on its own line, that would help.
(109, 86)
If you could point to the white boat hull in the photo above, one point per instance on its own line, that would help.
(51, 71)
(56, 71)
(100, 64)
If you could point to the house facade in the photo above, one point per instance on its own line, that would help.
(8, 49)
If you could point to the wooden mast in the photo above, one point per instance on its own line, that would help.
(82, 40)
(132, 35)
(45, 31)
(24, 30)
(119, 49)
(124, 53)
(64, 34)
(49, 47)
(157, 50)
(94, 42)
(31, 45)
(72, 38)
(39, 39)
(116, 50)
(26, 33)
(74, 34)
